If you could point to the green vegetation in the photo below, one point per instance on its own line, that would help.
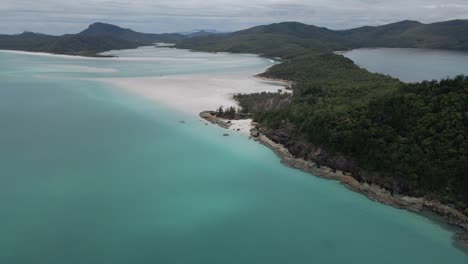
(231, 113)
(409, 138)
(420, 135)
(262, 102)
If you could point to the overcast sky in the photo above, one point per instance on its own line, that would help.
(71, 16)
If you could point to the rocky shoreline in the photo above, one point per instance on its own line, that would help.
(450, 215)
(208, 116)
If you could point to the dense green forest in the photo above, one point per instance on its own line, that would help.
(410, 138)
(417, 134)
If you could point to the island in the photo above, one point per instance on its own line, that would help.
(403, 144)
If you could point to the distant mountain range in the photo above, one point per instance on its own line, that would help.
(282, 39)
(292, 38)
(203, 32)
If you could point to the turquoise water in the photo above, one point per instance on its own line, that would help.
(91, 174)
(411, 65)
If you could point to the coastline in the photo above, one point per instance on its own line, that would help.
(57, 55)
(446, 214)
(46, 54)
(243, 126)
(374, 192)
(285, 83)
(101, 56)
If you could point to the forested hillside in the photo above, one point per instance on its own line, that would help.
(289, 39)
(414, 135)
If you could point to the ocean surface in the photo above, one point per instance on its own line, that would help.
(90, 173)
(411, 65)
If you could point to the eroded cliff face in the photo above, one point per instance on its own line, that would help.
(301, 148)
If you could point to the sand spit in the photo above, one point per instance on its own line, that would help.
(194, 93)
(243, 126)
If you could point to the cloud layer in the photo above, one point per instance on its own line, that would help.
(59, 17)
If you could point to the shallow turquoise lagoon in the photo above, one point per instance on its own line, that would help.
(92, 174)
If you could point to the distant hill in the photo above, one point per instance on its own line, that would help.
(108, 30)
(290, 39)
(411, 34)
(66, 44)
(98, 37)
(282, 39)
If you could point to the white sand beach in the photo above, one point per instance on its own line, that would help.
(193, 94)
